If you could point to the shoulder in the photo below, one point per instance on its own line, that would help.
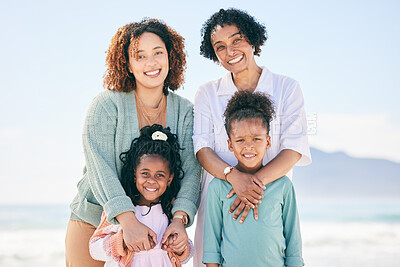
(284, 182)
(283, 83)
(110, 100)
(279, 78)
(208, 89)
(180, 101)
(218, 186)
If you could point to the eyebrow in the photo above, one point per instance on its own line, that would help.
(157, 47)
(228, 37)
(145, 169)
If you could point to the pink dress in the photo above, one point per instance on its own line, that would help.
(156, 220)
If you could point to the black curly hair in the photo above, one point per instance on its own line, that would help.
(245, 104)
(145, 145)
(253, 31)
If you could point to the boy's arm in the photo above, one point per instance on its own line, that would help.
(291, 227)
(213, 225)
(212, 265)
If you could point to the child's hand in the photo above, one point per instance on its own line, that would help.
(175, 238)
(170, 245)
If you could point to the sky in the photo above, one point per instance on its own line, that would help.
(345, 54)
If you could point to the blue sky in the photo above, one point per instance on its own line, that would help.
(344, 54)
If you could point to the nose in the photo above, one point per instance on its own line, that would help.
(151, 61)
(151, 179)
(231, 50)
(248, 144)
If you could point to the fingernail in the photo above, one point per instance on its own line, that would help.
(240, 221)
(234, 219)
(260, 202)
(256, 217)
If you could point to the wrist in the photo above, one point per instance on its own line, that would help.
(230, 176)
(227, 171)
(181, 216)
(126, 218)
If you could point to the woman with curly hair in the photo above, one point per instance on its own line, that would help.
(145, 63)
(232, 38)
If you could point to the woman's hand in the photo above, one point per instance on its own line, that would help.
(251, 193)
(137, 236)
(175, 238)
(247, 187)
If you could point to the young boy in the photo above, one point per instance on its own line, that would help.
(274, 239)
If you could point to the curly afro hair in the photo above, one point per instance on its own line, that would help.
(254, 32)
(247, 105)
(168, 150)
(119, 78)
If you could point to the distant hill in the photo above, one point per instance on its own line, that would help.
(339, 175)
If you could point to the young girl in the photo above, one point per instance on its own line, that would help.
(274, 239)
(151, 174)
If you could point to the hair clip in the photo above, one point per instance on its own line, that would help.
(157, 135)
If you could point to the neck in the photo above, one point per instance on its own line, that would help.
(249, 170)
(150, 97)
(247, 79)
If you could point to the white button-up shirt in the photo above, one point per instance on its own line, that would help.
(288, 128)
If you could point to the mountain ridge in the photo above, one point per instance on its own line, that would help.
(340, 175)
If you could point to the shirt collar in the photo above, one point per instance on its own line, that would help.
(265, 83)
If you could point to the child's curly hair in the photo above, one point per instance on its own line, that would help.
(119, 78)
(253, 31)
(245, 104)
(145, 145)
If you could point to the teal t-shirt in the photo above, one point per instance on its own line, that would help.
(273, 240)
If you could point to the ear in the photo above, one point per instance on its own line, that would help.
(230, 145)
(171, 177)
(268, 142)
(130, 57)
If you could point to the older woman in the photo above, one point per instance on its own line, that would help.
(145, 62)
(232, 38)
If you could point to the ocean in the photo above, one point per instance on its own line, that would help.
(345, 233)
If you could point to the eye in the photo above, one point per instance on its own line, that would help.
(220, 48)
(158, 53)
(140, 57)
(145, 174)
(237, 40)
(160, 175)
(239, 140)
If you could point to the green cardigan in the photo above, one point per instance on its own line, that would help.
(111, 125)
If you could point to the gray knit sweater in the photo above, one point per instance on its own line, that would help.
(111, 125)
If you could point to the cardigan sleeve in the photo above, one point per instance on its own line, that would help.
(188, 197)
(99, 149)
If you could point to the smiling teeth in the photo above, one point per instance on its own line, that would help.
(249, 156)
(151, 189)
(152, 72)
(236, 60)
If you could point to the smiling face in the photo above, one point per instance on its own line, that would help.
(152, 177)
(233, 51)
(248, 141)
(149, 64)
